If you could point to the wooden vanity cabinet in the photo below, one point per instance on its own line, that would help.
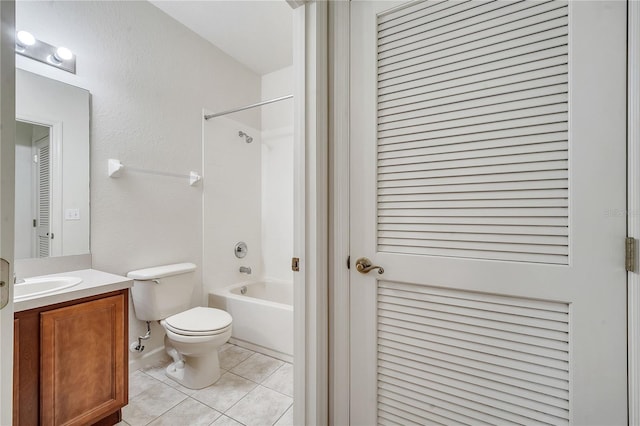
(71, 362)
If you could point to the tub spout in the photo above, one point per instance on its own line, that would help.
(245, 270)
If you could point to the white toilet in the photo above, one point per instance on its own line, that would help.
(193, 335)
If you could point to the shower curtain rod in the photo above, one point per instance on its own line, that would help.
(208, 116)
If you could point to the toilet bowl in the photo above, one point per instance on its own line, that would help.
(193, 336)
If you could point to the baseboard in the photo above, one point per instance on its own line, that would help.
(261, 349)
(147, 359)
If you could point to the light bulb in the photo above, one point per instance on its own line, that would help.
(25, 38)
(63, 54)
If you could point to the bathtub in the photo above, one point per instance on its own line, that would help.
(262, 316)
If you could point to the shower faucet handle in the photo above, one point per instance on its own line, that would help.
(245, 270)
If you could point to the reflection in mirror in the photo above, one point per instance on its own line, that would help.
(33, 191)
(52, 168)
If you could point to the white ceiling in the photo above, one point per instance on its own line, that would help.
(257, 33)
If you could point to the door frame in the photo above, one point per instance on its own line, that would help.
(339, 154)
(7, 190)
(339, 142)
(55, 146)
(311, 334)
(633, 205)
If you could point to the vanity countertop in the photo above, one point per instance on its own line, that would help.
(94, 282)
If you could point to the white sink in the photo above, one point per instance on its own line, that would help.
(33, 287)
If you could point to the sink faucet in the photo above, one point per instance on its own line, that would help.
(245, 270)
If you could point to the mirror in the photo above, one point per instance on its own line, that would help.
(52, 168)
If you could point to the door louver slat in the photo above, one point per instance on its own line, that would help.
(553, 73)
(484, 15)
(500, 25)
(44, 188)
(473, 130)
(470, 357)
(467, 57)
(454, 75)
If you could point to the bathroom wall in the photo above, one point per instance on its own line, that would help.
(150, 78)
(277, 175)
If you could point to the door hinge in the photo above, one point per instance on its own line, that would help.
(295, 264)
(4, 283)
(630, 254)
(35, 223)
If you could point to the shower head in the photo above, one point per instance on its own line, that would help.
(247, 138)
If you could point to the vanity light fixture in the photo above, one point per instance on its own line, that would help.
(24, 39)
(60, 57)
(62, 54)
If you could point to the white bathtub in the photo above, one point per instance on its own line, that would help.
(262, 317)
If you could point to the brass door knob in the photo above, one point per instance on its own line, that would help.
(364, 265)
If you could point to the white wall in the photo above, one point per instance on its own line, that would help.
(231, 202)
(277, 175)
(149, 78)
(24, 199)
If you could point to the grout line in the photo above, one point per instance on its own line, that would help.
(247, 394)
(283, 394)
(223, 412)
(285, 412)
(223, 415)
(273, 372)
(167, 410)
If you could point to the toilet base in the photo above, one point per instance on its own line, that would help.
(195, 372)
(195, 358)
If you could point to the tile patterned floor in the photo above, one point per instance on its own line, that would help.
(253, 390)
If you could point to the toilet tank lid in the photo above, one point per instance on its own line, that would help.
(161, 271)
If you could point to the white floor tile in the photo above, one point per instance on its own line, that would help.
(261, 407)
(188, 412)
(140, 382)
(232, 355)
(281, 380)
(226, 421)
(157, 369)
(257, 367)
(151, 403)
(183, 389)
(225, 346)
(156, 400)
(224, 393)
(286, 419)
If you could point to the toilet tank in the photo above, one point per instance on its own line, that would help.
(161, 291)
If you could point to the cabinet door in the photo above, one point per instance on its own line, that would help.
(84, 361)
(16, 371)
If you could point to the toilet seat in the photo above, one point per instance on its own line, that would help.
(199, 321)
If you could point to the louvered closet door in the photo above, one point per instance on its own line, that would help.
(488, 179)
(43, 197)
